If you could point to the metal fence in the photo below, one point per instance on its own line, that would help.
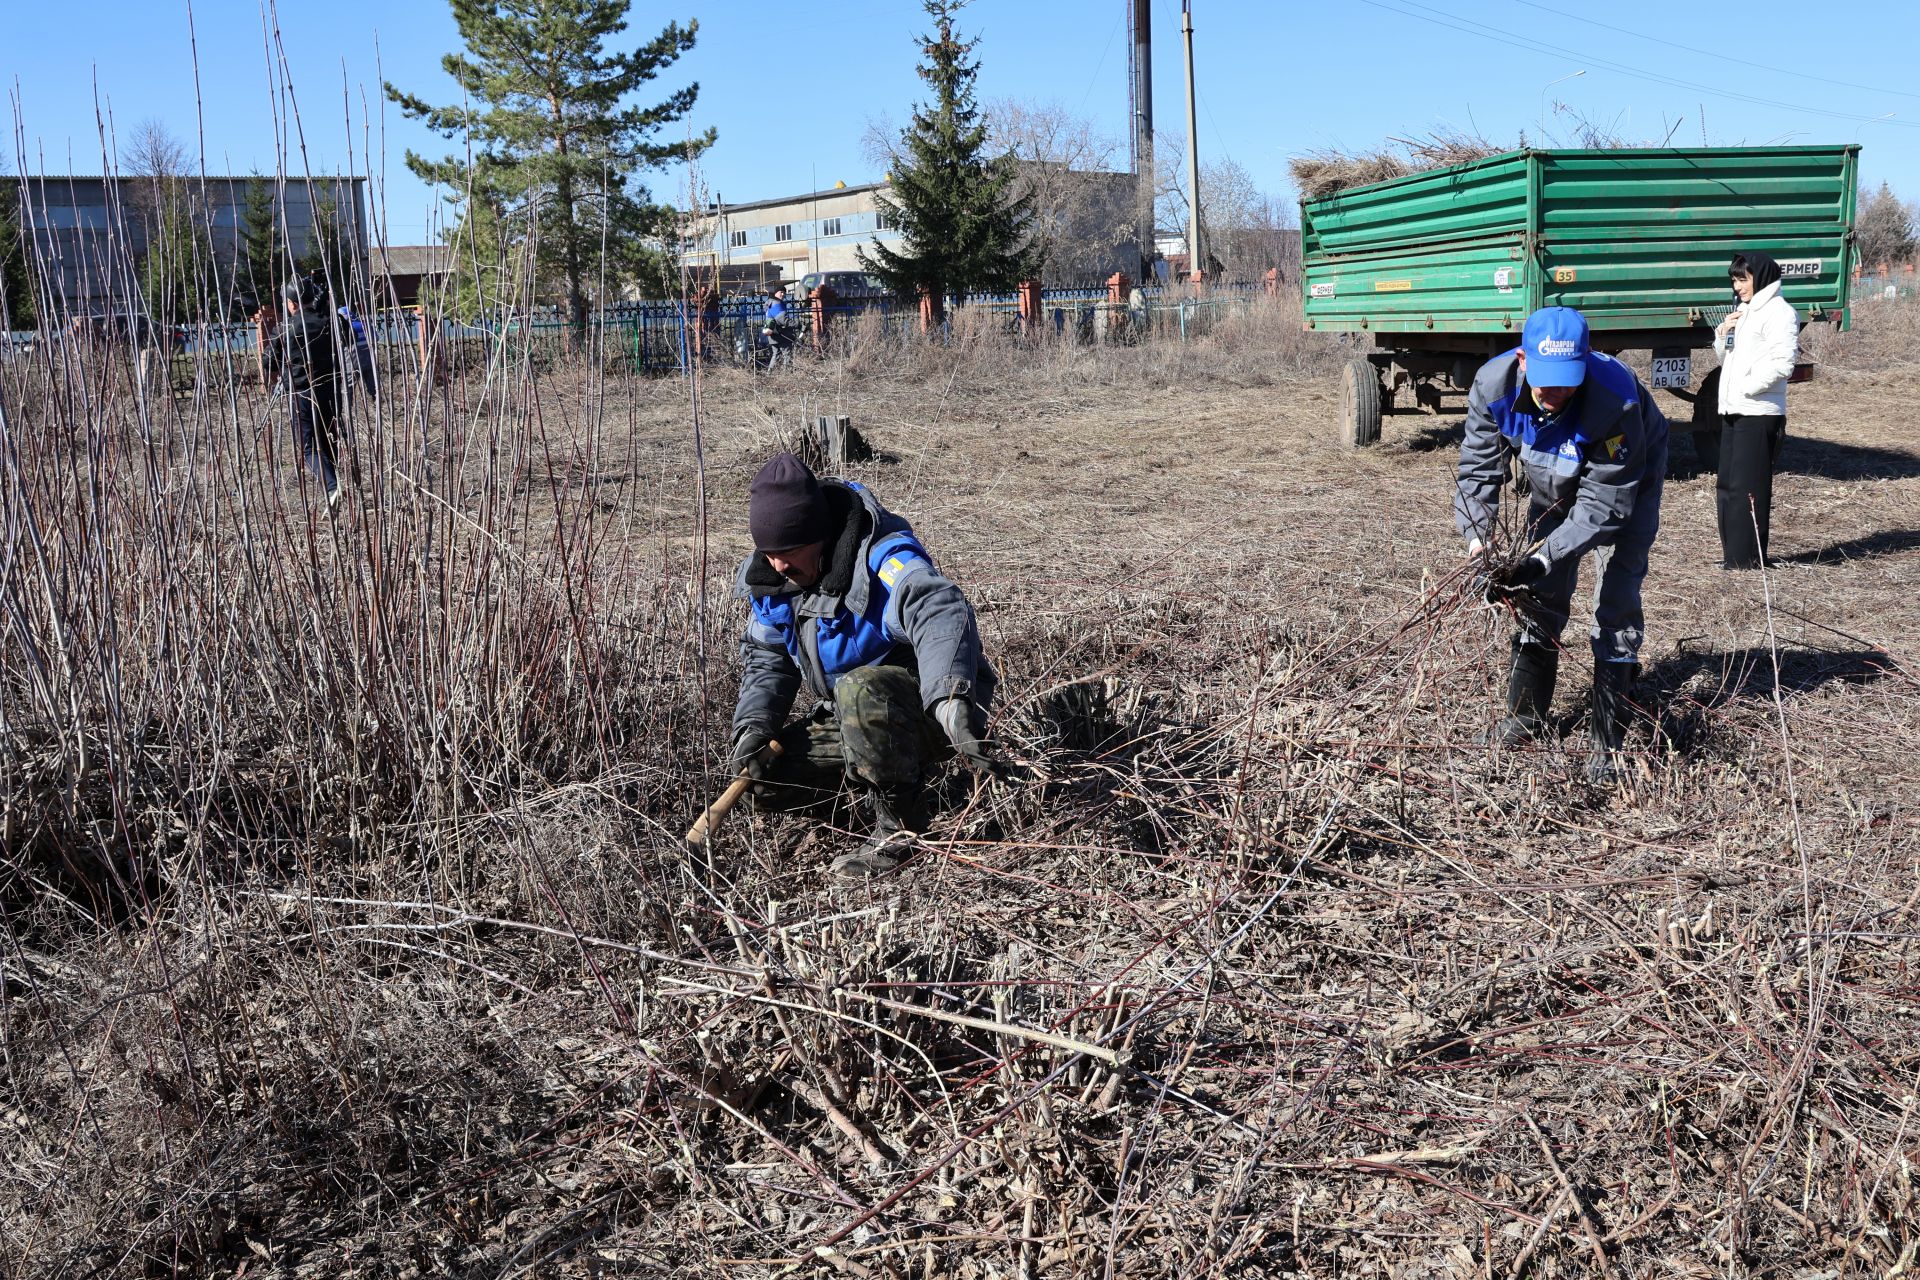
(656, 337)
(1896, 286)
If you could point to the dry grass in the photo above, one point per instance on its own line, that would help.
(1324, 172)
(349, 931)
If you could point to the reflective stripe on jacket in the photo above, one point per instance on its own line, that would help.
(1585, 464)
(880, 599)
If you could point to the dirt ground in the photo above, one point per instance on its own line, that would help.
(1267, 969)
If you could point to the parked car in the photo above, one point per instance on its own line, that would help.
(847, 286)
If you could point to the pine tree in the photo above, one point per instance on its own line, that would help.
(964, 224)
(16, 278)
(555, 152)
(260, 259)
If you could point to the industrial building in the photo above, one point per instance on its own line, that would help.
(1086, 218)
(89, 234)
(764, 242)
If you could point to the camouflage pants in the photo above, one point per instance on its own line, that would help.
(876, 734)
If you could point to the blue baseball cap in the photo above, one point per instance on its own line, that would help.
(1555, 340)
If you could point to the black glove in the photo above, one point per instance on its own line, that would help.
(1510, 581)
(955, 718)
(747, 746)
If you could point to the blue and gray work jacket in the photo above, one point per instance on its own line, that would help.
(1584, 466)
(879, 600)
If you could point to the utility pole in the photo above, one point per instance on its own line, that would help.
(1140, 94)
(1196, 260)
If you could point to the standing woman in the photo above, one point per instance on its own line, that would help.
(1756, 345)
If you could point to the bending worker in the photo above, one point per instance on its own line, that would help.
(848, 611)
(1594, 449)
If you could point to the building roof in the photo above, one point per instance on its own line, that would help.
(803, 198)
(414, 259)
(184, 177)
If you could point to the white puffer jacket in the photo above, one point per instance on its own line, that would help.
(1757, 357)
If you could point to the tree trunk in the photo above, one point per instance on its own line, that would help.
(570, 237)
(570, 264)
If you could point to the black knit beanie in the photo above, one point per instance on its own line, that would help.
(787, 508)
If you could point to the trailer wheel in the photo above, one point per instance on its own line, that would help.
(1706, 425)
(1359, 405)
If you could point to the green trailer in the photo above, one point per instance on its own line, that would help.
(1441, 268)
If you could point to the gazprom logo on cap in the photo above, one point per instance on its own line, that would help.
(1559, 347)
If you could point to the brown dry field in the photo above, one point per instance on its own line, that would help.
(1380, 1004)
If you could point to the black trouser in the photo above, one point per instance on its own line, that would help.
(316, 417)
(1749, 443)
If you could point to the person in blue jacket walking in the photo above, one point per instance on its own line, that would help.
(362, 352)
(848, 616)
(1593, 447)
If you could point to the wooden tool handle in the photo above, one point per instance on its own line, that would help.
(697, 834)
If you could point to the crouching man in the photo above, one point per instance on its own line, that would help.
(1593, 447)
(846, 605)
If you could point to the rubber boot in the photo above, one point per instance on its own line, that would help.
(1610, 682)
(1530, 679)
(899, 816)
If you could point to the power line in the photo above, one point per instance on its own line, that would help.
(1510, 39)
(1770, 68)
(1099, 66)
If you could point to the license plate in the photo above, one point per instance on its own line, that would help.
(1672, 371)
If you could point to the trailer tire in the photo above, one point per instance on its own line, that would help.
(1706, 425)
(1360, 405)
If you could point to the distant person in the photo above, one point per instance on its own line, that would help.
(362, 350)
(778, 321)
(1756, 345)
(301, 356)
(847, 614)
(1594, 449)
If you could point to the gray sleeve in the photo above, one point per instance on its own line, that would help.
(1609, 486)
(931, 614)
(769, 680)
(1483, 469)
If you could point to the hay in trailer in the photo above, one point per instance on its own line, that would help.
(1324, 172)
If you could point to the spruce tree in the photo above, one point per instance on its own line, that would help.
(964, 225)
(555, 151)
(329, 245)
(16, 278)
(480, 260)
(174, 270)
(260, 259)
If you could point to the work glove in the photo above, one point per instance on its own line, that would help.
(955, 718)
(747, 746)
(1509, 582)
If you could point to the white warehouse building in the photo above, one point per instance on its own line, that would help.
(1083, 216)
(767, 241)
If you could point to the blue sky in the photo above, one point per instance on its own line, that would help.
(792, 85)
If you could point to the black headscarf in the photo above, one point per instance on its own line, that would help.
(1757, 264)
